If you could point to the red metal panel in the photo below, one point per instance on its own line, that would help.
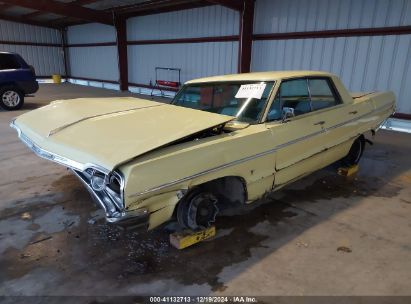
(92, 44)
(377, 31)
(121, 29)
(29, 43)
(185, 40)
(246, 37)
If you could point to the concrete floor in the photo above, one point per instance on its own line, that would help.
(323, 235)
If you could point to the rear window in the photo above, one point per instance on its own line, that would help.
(8, 62)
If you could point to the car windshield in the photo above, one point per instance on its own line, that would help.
(244, 100)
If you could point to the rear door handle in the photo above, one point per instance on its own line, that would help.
(353, 112)
(319, 123)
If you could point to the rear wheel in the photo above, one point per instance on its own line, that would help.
(11, 98)
(354, 155)
(197, 210)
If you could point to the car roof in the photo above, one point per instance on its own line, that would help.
(260, 76)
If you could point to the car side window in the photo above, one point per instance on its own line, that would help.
(322, 94)
(292, 94)
(8, 62)
(274, 113)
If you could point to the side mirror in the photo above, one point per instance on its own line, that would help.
(288, 113)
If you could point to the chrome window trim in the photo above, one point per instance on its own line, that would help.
(239, 161)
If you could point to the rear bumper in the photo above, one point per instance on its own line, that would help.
(134, 218)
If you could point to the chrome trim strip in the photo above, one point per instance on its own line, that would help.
(202, 173)
(233, 163)
(53, 156)
(76, 166)
(54, 131)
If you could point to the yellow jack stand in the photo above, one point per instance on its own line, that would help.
(348, 171)
(187, 238)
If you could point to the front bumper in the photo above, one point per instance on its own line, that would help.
(134, 218)
(115, 211)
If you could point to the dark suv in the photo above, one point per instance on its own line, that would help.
(17, 79)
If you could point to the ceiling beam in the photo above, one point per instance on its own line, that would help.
(4, 6)
(233, 4)
(26, 21)
(65, 9)
(149, 7)
(156, 7)
(75, 2)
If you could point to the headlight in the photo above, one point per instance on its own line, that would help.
(108, 187)
(114, 189)
(98, 181)
(114, 183)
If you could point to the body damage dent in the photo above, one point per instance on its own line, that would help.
(161, 207)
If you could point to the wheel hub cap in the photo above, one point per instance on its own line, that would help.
(202, 212)
(11, 98)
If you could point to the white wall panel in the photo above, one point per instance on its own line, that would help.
(12, 31)
(91, 33)
(94, 62)
(278, 16)
(45, 60)
(199, 22)
(363, 63)
(194, 59)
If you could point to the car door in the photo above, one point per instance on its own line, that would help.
(297, 139)
(338, 119)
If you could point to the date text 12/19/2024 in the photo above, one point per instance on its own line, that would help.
(204, 299)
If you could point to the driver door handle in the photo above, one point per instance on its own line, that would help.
(319, 123)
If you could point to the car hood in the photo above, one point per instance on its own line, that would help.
(108, 131)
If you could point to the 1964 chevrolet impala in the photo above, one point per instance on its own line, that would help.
(224, 139)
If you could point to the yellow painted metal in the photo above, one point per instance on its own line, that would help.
(133, 135)
(348, 171)
(187, 238)
(110, 131)
(56, 78)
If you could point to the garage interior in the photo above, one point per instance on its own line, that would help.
(324, 235)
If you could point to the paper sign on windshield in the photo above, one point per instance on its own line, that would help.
(255, 90)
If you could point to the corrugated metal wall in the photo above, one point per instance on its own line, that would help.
(99, 62)
(200, 22)
(279, 16)
(46, 60)
(363, 63)
(194, 59)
